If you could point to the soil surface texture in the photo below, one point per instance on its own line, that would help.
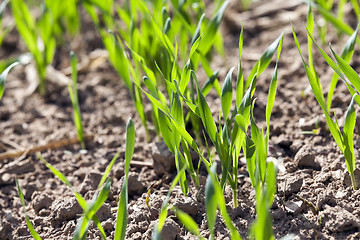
(314, 200)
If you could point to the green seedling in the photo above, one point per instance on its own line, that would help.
(156, 234)
(337, 20)
(262, 227)
(214, 199)
(3, 77)
(121, 218)
(229, 139)
(75, 100)
(90, 208)
(38, 36)
(146, 24)
(34, 234)
(65, 15)
(342, 69)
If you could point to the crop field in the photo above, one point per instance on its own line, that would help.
(174, 119)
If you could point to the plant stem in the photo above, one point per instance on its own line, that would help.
(353, 181)
(235, 195)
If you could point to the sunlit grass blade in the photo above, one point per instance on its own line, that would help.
(108, 169)
(340, 25)
(205, 112)
(349, 72)
(262, 228)
(3, 77)
(34, 234)
(211, 204)
(214, 198)
(264, 61)
(75, 101)
(349, 127)
(95, 204)
(197, 30)
(346, 54)
(211, 30)
(333, 127)
(188, 222)
(310, 28)
(226, 94)
(164, 208)
(209, 83)
(240, 76)
(79, 198)
(121, 217)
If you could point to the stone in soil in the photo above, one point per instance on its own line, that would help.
(305, 158)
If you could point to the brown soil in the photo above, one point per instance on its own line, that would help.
(315, 170)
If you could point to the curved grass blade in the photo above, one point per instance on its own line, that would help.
(340, 25)
(333, 127)
(215, 198)
(3, 77)
(196, 35)
(34, 234)
(209, 83)
(79, 198)
(188, 222)
(211, 30)
(75, 100)
(349, 72)
(164, 209)
(121, 217)
(346, 54)
(226, 94)
(264, 61)
(240, 76)
(349, 127)
(95, 204)
(205, 112)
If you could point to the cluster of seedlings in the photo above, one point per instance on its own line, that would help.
(157, 51)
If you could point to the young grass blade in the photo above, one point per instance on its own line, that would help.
(209, 83)
(340, 25)
(310, 26)
(108, 169)
(166, 133)
(346, 54)
(211, 203)
(264, 61)
(188, 222)
(349, 126)
(331, 63)
(75, 100)
(211, 30)
(205, 112)
(240, 76)
(130, 144)
(79, 198)
(196, 35)
(214, 198)
(121, 218)
(271, 95)
(95, 204)
(34, 234)
(164, 208)
(333, 127)
(349, 72)
(226, 94)
(3, 76)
